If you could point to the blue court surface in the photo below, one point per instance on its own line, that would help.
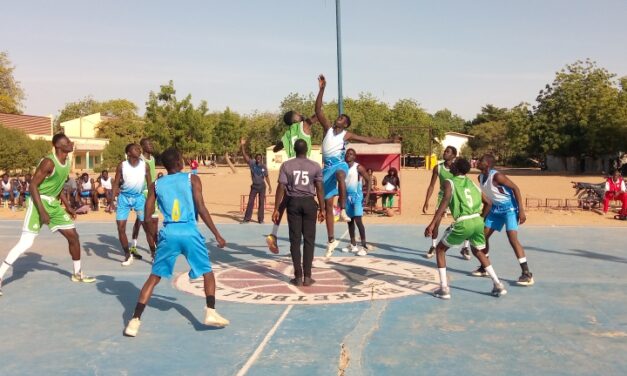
(573, 321)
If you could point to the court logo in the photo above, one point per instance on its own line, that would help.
(338, 280)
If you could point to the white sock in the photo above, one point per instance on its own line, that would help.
(492, 274)
(522, 260)
(26, 241)
(443, 280)
(77, 266)
(466, 244)
(275, 229)
(135, 243)
(434, 243)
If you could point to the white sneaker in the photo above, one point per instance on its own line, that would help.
(361, 251)
(350, 249)
(344, 217)
(133, 327)
(0, 286)
(129, 260)
(331, 247)
(213, 318)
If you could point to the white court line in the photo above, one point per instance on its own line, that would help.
(263, 343)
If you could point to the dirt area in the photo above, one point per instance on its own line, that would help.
(223, 189)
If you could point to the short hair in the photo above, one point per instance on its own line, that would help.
(84, 174)
(300, 147)
(393, 169)
(144, 140)
(460, 166)
(287, 118)
(5, 174)
(453, 149)
(489, 158)
(352, 150)
(58, 137)
(348, 120)
(103, 171)
(257, 155)
(128, 147)
(170, 158)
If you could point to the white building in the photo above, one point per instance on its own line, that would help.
(458, 140)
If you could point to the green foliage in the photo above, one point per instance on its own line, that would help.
(407, 113)
(490, 137)
(174, 123)
(11, 93)
(227, 133)
(114, 108)
(114, 153)
(30, 151)
(257, 130)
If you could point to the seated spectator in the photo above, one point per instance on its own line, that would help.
(372, 200)
(391, 183)
(86, 190)
(25, 193)
(70, 190)
(9, 192)
(615, 190)
(104, 189)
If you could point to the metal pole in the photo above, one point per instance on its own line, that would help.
(338, 25)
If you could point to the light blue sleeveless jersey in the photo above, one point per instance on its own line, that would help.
(175, 198)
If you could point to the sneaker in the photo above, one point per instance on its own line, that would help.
(499, 290)
(362, 251)
(213, 318)
(331, 247)
(79, 277)
(128, 260)
(350, 249)
(344, 217)
(272, 243)
(525, 279)
(133, 327)
(296, 281)
(135, 253)
(442, 293)
(479, 272)
(430, 253)
(465, 252)
(308, 281)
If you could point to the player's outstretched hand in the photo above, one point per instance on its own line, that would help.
(425, 208)
(522, 217)
(221, 242)
(320, 216)
(275, 217)
(429, 231)
(322, 82)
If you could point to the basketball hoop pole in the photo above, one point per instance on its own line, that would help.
(338, 28)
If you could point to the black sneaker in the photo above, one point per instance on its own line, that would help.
(465, 252)
(525, 279)
(499, 290)
(479, 272)
(430, 253)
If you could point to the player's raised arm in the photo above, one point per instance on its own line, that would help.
(202, 210)
(242, 143)
(322, 83)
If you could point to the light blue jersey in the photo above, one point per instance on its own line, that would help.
(175, 198)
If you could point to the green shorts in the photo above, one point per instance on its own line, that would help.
(156, 213)
(59, 218)
(471, 229)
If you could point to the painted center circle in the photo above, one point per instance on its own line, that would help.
(338, 280)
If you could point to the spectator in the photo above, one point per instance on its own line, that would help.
(258, 174)
(391, 183)
(372, 199)
(615, 190)
(194, 165)
(104, 190)
(87, 190)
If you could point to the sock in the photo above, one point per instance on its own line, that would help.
(466, 244)
(77, 266)
(443, 280)
(25, 242)
(275, 229)
(139, 309)
(331, 239)
(523, 264)
(434, 243)
(492, 274)
(135, 243)
(211, 301)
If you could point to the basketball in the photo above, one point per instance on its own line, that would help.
(100, 190)
(389, 212)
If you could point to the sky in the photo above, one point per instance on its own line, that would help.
(249, 55)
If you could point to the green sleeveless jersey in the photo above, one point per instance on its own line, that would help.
(466, 198)
(53, 184)
(151, 165)
(295, 132)
(444, 174)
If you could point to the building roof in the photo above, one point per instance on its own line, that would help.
(459, 134)
(29, 124)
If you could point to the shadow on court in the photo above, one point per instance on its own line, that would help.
(127, 294)
(583, 253)
(31, 262)
(108, 247)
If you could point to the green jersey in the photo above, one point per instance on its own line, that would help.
(151, 165)
(53, 184)
(290, 136)
(444, 174)
(466, 197)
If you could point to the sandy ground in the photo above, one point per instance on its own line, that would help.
(223, 189)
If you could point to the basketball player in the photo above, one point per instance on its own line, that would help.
(506, 211)
(335, 168)
(442, 172)
(148, 157)
(134, 173)
(356, 178)
(464, 200)
(44, 208)
(179, 195)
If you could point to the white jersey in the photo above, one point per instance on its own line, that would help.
(134, 178)
(6, 187)
(353, 179)
(86, 186)
(501, 196)
(333, 146)
(106, 183)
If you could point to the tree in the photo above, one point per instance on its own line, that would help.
(257, 129)
(114, 108)
(31, 150)
(11, 93)
(407, 113)
(226, 135)
(490, 137)
(448, 122)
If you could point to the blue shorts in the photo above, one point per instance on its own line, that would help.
(181, 239)
(85, 194)
(496, 220)
(127, 203)
(355, 204)
(330, 180)
(194, 172)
